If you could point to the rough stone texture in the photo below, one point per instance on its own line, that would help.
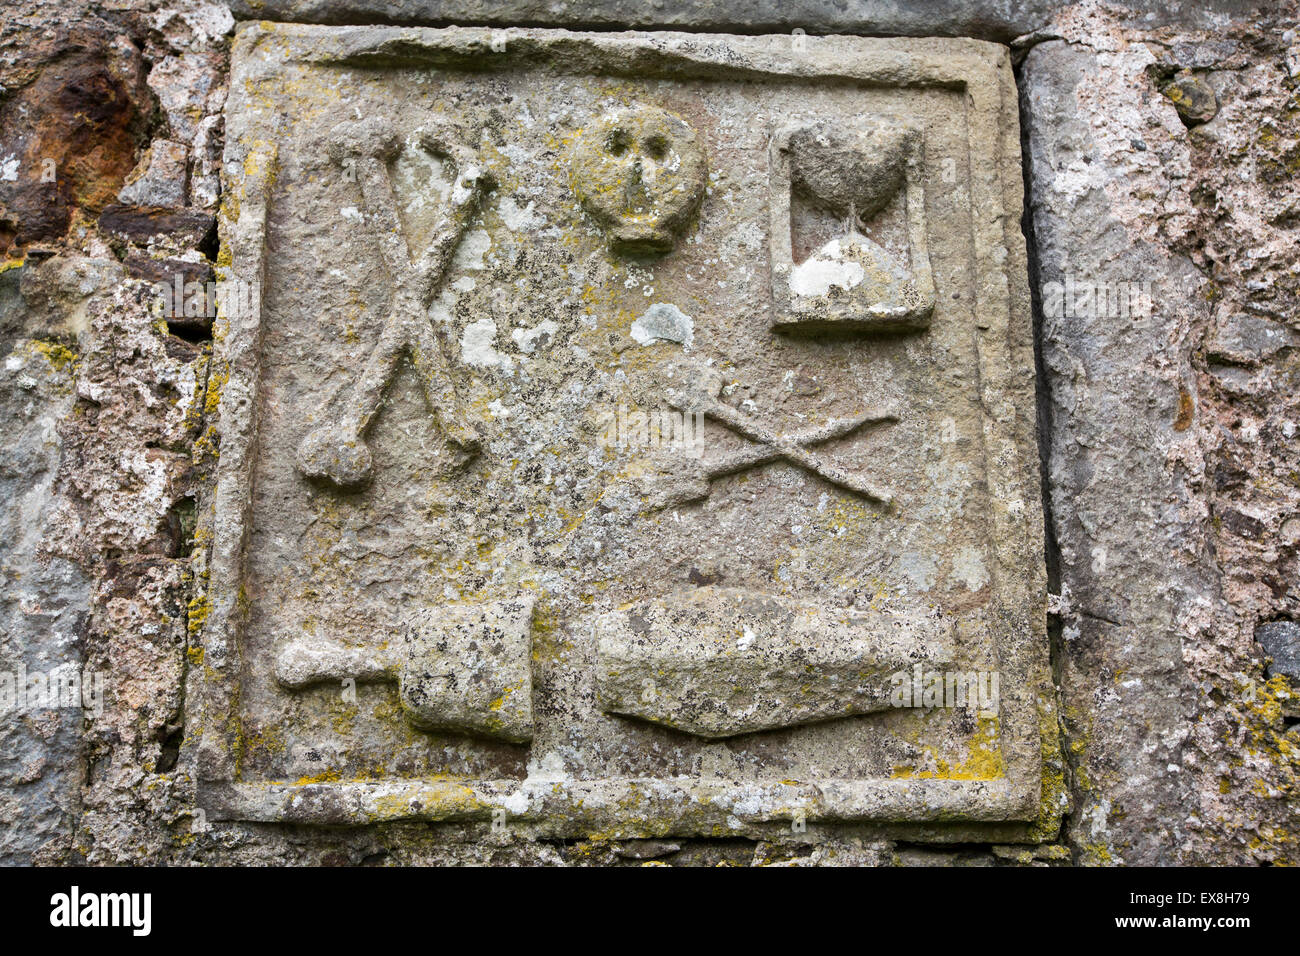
(70, 138)
(99, 413)
(1169, 436)
(1170, 441)
(469, 670)
(159, 178)
(1000, 20)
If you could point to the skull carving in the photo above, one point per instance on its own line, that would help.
(639, 173)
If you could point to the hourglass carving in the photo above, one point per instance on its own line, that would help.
(852, 174)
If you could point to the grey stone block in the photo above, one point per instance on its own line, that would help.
(1281, 639)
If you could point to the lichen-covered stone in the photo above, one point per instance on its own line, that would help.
(1193, 97)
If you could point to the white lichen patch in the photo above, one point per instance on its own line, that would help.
(519, 219)
(478, 346)
(969, 568)
(472, 249)
(830, 266)
(440, 308)
(528, 339)
(663, 322)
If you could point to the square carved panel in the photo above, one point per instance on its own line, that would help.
(625, 434)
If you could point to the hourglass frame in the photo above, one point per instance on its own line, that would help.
(859, 309)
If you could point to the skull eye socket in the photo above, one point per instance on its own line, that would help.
(656, 147)
(618, 142)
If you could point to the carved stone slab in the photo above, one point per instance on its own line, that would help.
(630, 435)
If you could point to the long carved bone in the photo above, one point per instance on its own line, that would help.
(337, 452)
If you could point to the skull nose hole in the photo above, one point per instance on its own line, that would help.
(636, 192)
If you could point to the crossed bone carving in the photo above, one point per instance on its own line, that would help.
(768, 446)
(337, 452)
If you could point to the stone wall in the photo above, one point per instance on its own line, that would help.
(1160, 151)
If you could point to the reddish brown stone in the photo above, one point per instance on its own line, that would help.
(189, 227)
(76, 131)
(166, 270)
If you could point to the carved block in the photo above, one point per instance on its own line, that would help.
(470, 668)
(568, 483)
(852, 172)
(720, 662)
